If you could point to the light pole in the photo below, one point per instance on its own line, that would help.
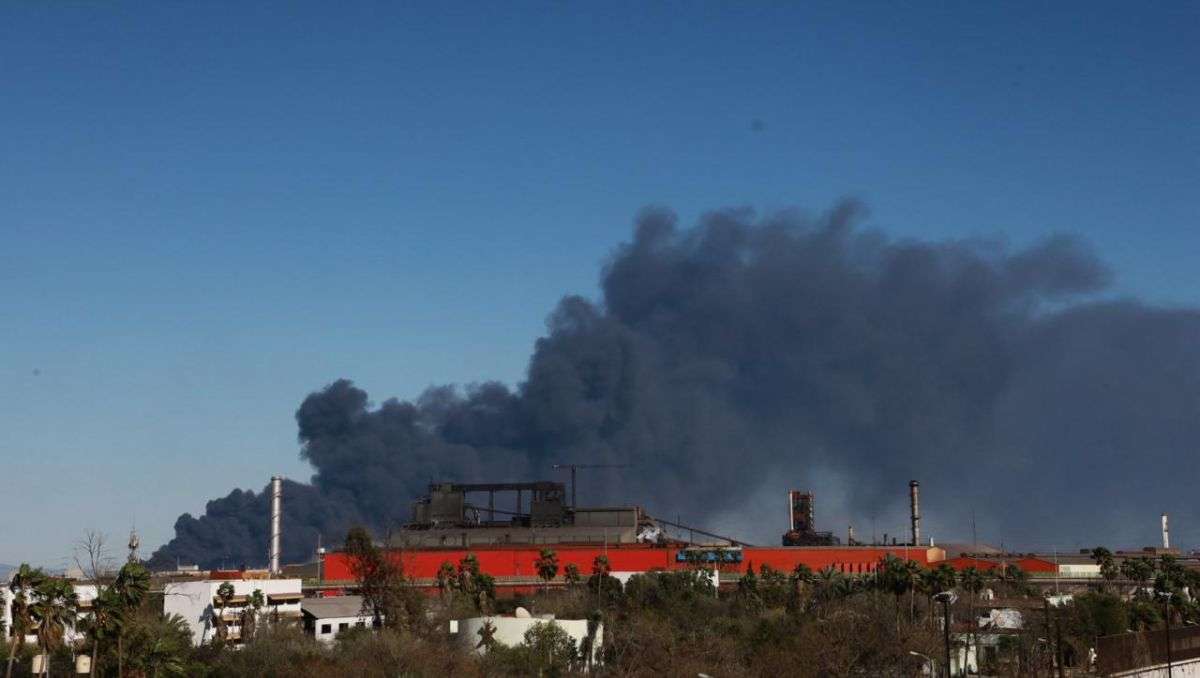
(946, 598)
(1166, 596)
(928, 661)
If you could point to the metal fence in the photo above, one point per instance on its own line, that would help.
(1128, 651)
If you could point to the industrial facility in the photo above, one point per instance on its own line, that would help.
(506, 527)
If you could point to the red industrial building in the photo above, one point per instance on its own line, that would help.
(514, 566)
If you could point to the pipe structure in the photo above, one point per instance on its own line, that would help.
(1166, 533)
(914, 490)
(276, 520)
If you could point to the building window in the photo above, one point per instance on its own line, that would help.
(343, 626)
(361, 624)
(325, 628)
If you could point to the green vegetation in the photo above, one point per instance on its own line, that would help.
(768, 623)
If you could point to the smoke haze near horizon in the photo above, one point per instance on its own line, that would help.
(749, 354)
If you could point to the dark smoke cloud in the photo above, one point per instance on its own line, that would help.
(755, 354)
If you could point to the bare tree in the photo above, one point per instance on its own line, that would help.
(94, 561)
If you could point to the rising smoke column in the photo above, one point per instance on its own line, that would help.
(750, 354)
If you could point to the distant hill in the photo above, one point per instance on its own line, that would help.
(5, 569)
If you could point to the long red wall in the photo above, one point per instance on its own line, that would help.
(509, 561)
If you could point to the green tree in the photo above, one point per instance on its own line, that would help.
(380, 579)
(127, 593)
(105, 622)
(546, 566)
(54, 610)
(224, 598)
(445, 577)
(748, 583)
(1140, 571)
(250, 613)
(571, 575)
(600, 566)
(159, 645)
(1108, 566)
(22, 586)
(550, 650)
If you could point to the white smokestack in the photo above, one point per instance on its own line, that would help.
(1166, 533)
(276, 519)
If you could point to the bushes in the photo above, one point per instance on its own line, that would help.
(386, 652)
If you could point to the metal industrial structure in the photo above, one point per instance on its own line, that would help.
(446, 517)
(914, 492)
(802, 529)
(276, 520)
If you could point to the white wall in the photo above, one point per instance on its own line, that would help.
(1180, 669)
(85, 592)
(510, 631)
(1079, 570)
(193, 600)
(335, 626)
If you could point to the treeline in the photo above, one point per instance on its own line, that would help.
(770, 623)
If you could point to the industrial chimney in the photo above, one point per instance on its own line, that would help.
(276, 517)
(914, 490)
(1166, 533)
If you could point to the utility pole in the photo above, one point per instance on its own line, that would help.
(575, 467)
(1167, 595)
(946, 598)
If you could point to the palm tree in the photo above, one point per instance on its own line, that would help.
(571, 575)
(600, 566)
(159, 645)
(54, 610)
(1108, 567)
(254, 602)
(107, 618)
(1138, 570)
(224, 597)
(128, 591)
(24, 581)
(445, 577)
(547, 566)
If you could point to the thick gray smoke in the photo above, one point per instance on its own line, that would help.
(749, 355)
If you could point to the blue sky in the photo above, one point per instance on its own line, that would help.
(207, 212)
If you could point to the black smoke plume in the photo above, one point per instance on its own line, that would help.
(733, 360)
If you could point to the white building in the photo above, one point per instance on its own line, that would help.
(510, 631)
(197, 603)
(86, 594)
(325, 618)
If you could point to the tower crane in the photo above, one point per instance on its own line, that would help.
(575, 467)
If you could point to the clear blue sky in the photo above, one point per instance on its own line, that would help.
(208, 211)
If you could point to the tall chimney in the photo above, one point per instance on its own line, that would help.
(1166, 533)
(276, 517)
(914, 490)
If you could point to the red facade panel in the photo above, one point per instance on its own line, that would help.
(519, 561)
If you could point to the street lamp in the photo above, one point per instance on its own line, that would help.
(946, 598)
(928, 661)
(1166, 596)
